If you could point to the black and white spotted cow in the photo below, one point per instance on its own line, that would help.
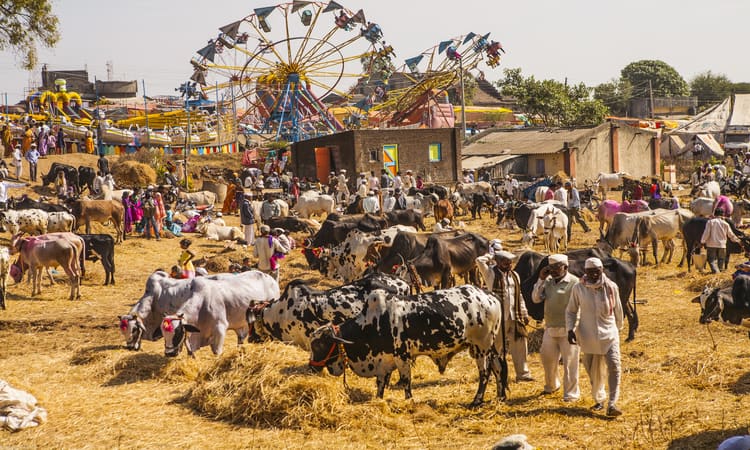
(214, 307)
(301, 309)
(393, 330)
(32, 221)
(348, 260)
(730, 305)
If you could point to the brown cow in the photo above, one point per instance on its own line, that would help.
(100, 211)
(443, 209)
(49, 250)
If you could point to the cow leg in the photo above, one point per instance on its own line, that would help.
(242, 334)
(381, 381)
(404, 369)
(217, 345)
(484, 378)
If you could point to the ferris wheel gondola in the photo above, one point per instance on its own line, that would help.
(281, 62)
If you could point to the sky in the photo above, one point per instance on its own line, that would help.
(582, 40)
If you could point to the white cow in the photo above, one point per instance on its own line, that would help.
(468, 189)
(555, 231)
(539, 193)
(199, 198)
(214, 307)
(710, 189)
(608, 181)
(32, 221)
(60, 221)
(536, 222)
(216, 232)
(312, 203)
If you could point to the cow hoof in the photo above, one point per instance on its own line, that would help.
(475, 404)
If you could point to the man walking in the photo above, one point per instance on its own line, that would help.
(247, 218)
(102, 164)
(269, 251)
(715, 240)
(32, 156)
(574, 206)
(593, 318)
(553, 288)
(507, 287)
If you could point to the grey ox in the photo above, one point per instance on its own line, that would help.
(214, 307)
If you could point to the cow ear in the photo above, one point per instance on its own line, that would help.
(191, 328)
(157, 334)
(696, 299)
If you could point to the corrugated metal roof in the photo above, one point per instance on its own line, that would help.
(479, 162)
(741, 110)
(525, 142)
(709, 141)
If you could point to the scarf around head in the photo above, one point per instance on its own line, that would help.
(602, 283)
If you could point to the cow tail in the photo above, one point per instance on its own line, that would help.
(635, 308)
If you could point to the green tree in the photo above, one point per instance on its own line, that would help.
(26, 24)
(553, 102)
(710, 88)
(615, 95)
(665, 80)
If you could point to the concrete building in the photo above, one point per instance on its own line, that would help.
(433, 153)
(581, 153)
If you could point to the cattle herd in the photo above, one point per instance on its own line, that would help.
(405, 293)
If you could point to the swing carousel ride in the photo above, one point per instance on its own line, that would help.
(283, 65)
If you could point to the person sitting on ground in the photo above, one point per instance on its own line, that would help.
(246, 264)
(219, 220)
(443, 225)
(176, 273)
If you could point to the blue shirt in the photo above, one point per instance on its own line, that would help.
(32, 156)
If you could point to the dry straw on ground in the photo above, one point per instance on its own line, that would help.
(678, 392)
(133, 174)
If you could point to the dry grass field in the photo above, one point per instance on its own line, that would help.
(679, 391)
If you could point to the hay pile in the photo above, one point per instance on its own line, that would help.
(133, 173)
(270, 386)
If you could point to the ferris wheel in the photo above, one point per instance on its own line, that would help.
(282, 61)
(431, 73)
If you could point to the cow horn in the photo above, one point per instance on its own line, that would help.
(342, 340)
(696, 299)
(403, 262)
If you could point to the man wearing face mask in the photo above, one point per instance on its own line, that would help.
(594, 316)
(507, 287)
(554, 287)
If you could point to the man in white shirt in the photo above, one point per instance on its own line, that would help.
(373, 181)
(397, 182)
(341, 187)
(370, 203)
(593, 318)
(98, 182)
(714, 238)
(443, 225)
(268, 250)
(408, 181)
(561, 195)
(4, 186)
(553, 289)
(362, 187)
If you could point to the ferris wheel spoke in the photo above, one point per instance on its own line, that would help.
(333, 74)
(318, 45)
(310, 29)
(288, 41)
(269, 44)
(325, 54)
(256, 56)
(329, 89)
(330, 63)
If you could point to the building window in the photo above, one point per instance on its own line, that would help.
(374, 155)
(435, 152)
(540, 167)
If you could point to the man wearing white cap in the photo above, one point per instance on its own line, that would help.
(594, 317)
(443, 225)
(553, 288)
(268, 250)
(370, 203)
(507, 287)
(408, 181)
(362, 187)
(342, 190)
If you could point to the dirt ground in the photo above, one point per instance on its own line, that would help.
(679, 391)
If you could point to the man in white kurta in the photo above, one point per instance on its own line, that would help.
(554, 287)
(593, 318)
(507, 287)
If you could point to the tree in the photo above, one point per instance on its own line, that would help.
(615, 95)
(710, 88)
(554, 103)
(26, 24)
(665, 80)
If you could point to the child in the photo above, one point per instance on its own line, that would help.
(186, 258)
